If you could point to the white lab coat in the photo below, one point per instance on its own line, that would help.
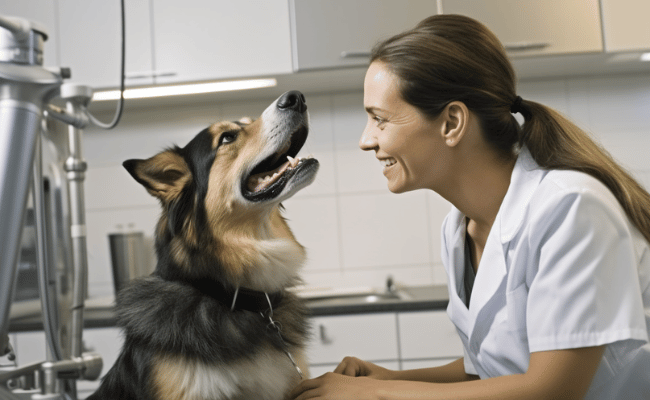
(562, 268)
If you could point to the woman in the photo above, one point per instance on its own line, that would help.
(546, 247)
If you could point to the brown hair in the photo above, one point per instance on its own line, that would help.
(449, 58)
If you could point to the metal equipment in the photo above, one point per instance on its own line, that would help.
(26, 91)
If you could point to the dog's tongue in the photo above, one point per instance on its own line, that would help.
(261, 181)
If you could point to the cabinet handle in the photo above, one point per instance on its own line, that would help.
(524, 46)
(148, 74)
(355, 54)
(323, 335)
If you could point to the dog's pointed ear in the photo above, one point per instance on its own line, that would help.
(163, 175)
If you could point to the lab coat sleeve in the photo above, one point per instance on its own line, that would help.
(585, 288)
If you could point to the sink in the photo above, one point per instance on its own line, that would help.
(361, 298)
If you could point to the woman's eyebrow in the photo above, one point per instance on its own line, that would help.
(373, 110)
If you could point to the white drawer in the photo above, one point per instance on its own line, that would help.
(368, 337)
(428, 334)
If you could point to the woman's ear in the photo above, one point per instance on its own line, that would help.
(455, 118)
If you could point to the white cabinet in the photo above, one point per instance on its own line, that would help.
(534, 27)
(341, 33)
(169, 42)
(371, 337)
(90, 41)
(404, 340)
(625, 25)
(42, 12)
(428, 335)
(205, 39)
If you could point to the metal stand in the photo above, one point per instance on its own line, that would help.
(26, 89)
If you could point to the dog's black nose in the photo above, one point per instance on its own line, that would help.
(292, 100)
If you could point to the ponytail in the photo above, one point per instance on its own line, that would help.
(556, 143)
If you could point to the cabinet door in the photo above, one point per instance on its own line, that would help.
(204, 39)
(340, 33)
(534, 27)
(371, 337)
(42, 12)
(428, 335)
(625, 24)
(90, 42)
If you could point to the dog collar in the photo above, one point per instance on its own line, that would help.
(254, 300)
(239, 298)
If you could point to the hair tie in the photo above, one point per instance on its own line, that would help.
(516, 105)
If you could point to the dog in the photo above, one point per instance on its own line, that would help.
(215, 320)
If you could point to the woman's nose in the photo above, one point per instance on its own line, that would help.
(368, 141)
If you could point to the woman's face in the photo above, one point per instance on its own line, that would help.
(406, 143)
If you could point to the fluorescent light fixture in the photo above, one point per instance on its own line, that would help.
(193, 88)
(645, 57)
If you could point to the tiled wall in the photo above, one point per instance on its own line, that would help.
(356, 231)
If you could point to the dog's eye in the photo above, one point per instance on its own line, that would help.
(227, 137)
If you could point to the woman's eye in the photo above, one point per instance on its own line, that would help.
(228, 137)
(379, 120)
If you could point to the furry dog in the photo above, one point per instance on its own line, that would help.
(215, 321)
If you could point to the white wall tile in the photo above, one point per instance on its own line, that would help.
(437, 210)
(620, 103)
(349, 120)
(314, 223)
(551, 93)
(113, 187)
(358, 171)
(321, 128)
(384, 230)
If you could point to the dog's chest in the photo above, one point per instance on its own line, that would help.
(266, 375)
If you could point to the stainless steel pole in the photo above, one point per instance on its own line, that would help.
(24, 89)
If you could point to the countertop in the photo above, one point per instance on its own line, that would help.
(99, 313)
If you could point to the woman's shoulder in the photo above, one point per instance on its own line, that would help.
(572, 186)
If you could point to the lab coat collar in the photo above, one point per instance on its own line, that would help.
(492, 271)
(526, 176)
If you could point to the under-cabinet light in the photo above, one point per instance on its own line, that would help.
(645, 57)
(193, 88)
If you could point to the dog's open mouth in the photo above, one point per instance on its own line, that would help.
(268, 179)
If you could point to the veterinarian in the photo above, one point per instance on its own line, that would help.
(546, 247)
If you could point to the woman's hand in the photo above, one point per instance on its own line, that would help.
(332, 386)
(352, 366)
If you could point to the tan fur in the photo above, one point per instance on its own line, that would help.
(263, 377)
(166, 174)
(238, 228)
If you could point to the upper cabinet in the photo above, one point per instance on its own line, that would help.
(534, 27)
(205, 39)
(341, 33)
(169, 42)
(90, 42)
(625, 24)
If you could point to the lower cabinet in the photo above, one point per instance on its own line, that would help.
(404, 340)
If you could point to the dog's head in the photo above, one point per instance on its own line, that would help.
(221, 193)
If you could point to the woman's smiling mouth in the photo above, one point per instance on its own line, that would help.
(387, 162)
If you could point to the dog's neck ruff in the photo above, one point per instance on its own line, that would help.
(239, 298)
